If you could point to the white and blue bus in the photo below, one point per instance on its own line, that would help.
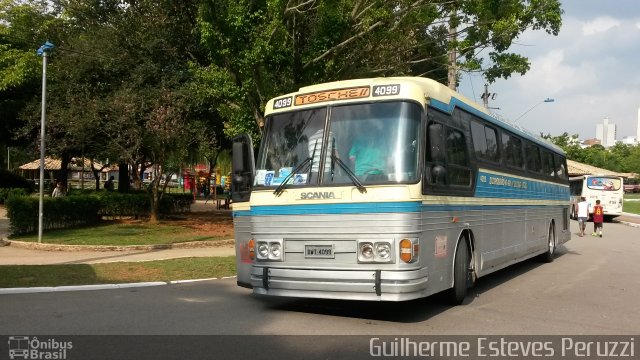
(390, 189)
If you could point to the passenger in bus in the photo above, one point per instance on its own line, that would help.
(315, 146)
(583, 215)
(368, 153)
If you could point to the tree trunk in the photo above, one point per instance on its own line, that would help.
(153, 216)
(64, 168)
(123, 177)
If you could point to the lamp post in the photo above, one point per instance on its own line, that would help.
(547, 100)
(43, 51)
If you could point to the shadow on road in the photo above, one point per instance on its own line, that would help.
(412, 311)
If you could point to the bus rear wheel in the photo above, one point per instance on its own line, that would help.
(551, 246)
(461, 274)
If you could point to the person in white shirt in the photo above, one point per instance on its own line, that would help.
(583, 214)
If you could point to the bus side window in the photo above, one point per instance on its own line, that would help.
(435, 156)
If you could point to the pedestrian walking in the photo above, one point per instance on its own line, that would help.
(598, 219)
(583, 214)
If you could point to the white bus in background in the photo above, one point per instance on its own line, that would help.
(606, 188)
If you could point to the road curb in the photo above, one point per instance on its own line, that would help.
(57, 247)
(45, 289)
(629, 224)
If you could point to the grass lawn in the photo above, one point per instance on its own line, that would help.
(123, 272)
(631, 207)
(632, 196)
(123, 234)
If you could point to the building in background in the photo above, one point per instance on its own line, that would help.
(590, 142)
(629, 140)
(638, 127)
(633, 140)
(606, 133)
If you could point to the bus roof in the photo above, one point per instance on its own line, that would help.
(418, 89)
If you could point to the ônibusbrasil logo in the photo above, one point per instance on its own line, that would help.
(32, 348)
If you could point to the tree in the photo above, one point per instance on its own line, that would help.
(493, 26)
(24, 26)
(258, 49)
(119, 82)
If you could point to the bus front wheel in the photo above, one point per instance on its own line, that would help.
(461, 274)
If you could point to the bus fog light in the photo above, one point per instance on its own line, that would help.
(383, 252)
(365, 251)
(263, 250)
(275, 251)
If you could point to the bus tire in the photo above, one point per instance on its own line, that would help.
(457, 294)
(551, 245)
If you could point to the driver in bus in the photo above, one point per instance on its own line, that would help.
(367, 153)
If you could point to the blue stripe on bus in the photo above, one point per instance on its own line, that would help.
(371, 208)
(497, 186)
(349, 208)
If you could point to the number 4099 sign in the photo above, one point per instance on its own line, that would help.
(386, 90)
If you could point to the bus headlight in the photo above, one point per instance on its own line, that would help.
(270, 250)
(375, 252)
(383, 252)
(365, 251)
(275, 251)
(263, 250)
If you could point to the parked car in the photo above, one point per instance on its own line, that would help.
(631, 188)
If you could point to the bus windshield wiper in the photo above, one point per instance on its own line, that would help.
(350, 173)
(278, 191)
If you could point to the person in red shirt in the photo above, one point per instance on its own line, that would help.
(598, 219)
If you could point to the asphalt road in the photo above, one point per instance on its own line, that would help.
(591, 288)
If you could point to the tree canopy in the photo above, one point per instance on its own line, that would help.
(165, 82)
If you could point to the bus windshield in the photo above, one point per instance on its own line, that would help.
(366, 143)
(604, 183)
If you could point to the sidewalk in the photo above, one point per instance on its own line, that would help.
(13, 255)
(10, 255)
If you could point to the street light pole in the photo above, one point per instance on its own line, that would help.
(547, 100)
(43, 51)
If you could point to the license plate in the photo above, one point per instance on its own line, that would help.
(318, 251)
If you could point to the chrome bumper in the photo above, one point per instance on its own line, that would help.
(379, 285)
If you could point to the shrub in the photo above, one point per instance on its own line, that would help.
(11, 180)
(58, 212)
(86, 209)
(5, 193)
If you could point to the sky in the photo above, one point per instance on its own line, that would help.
(591, 70)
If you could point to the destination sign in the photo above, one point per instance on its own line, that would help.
(333, 95)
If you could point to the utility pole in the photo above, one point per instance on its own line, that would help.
(452, 54)
(43, 51)
(452, 74)
(486, 95)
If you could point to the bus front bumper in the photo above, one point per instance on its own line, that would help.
(378, 285)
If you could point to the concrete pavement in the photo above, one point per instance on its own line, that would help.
(21, 255)
(11, 255)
